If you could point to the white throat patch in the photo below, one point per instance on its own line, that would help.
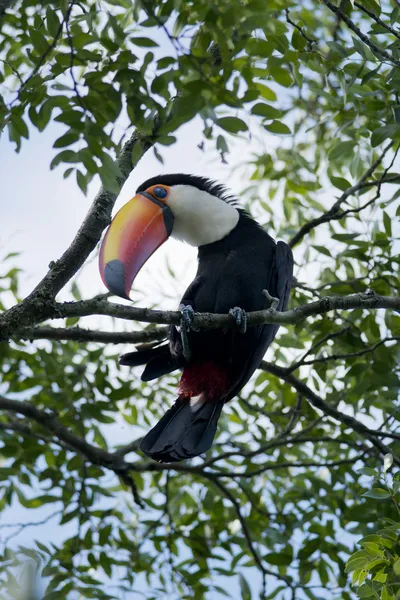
(199, 217)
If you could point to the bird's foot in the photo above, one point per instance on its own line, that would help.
(273, 302)
(186, 325)
(240, 318)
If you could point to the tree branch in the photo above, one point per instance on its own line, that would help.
(49, 421)
(274, 466)
(377, 50)
(227, 493)
(78, 334)
(38, 305)
(333, 213)
(368, 300)
(375, 17)
(319, 403)
(19, 427)
(330, 357)
(46, 53)
(206, 321)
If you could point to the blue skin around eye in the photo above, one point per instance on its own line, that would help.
(160, 192)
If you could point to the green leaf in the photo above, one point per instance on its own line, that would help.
(82, 181)
(357, 166)
(278, 128)
(381, 576)
(244, 588)
(266, 92)
(396, 567)
(232, 124)
(66, 140)
(340, 182)
(322, 250)
(341, 150)
(144, 42)
(158, 155)
(365, 591)
(368, 471)
(52, 21)
(38, 41)
(383, 133)
(75, 291)
(68, 156)
(259, 47)
(71, 321)
(166, 140)
(109, 173)
(377, 494)
(388, 228)
(266, 110)
(279, 558)
(298, 41)
(385, 594)
(137, 152)
(165, 62)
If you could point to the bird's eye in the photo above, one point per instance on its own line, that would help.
(160, 192)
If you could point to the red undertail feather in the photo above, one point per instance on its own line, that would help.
(204, 378)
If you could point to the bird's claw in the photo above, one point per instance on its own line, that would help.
(186, 325)
(187, 313)
(240, 318)
(273, 302)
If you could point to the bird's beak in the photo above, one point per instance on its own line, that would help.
(137, 230)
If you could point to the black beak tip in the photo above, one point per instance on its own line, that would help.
(114, 277)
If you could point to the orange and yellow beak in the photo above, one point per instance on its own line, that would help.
(137, 230)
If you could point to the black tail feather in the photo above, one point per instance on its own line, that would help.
(182, 432)
(158, 361)
(141, 357)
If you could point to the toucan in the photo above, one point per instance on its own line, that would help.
(240, 269)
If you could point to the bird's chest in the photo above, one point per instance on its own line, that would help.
(235, 279)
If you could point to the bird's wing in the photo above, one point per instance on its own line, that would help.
(165, 358)
(278, 284)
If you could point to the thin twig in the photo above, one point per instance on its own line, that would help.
(334, 212)
(377, 50)
(378, 20)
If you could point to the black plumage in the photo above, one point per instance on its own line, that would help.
(231, 272)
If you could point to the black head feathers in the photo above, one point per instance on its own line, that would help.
(201, 183)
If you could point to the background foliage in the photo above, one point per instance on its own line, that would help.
(279, 502)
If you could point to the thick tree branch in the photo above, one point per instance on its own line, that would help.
(369, 300)
(38, 305)
(50, 423)
(115, 462)
(78, 334)
(101, 306)
(19, 427)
